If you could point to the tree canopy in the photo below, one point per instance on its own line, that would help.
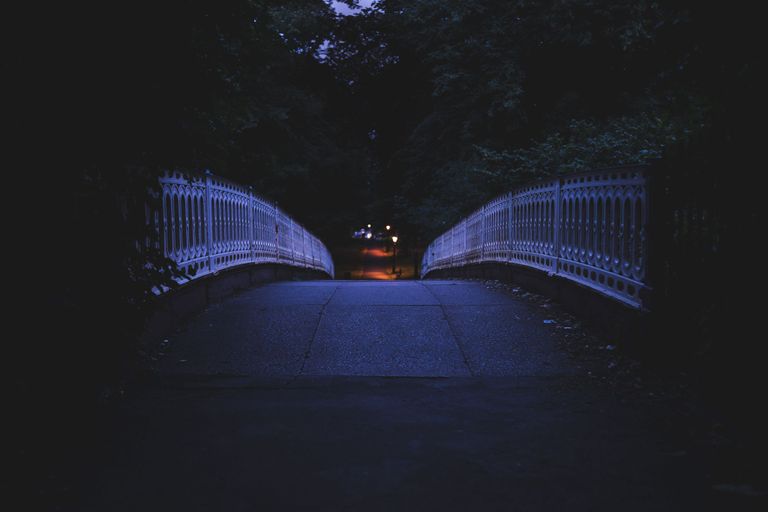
(418, 109)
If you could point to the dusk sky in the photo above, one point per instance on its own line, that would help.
(342, 8)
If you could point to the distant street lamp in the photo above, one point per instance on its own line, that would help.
(387, 227)
(394, 254)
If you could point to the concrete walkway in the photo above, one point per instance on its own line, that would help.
(367, 328)
(384, 396)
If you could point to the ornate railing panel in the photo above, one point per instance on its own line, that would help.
(589, 228)
(206, 224)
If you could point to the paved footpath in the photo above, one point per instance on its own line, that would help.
(357, 395)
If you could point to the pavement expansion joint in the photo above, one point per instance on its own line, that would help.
(308, 351)
(452, 330)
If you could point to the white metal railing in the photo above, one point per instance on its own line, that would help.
(589, 228)
(206, 224)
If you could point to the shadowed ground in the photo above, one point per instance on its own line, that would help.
(442, 395)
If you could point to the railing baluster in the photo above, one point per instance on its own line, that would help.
(510, 227)
(209, 223)
(556, 225)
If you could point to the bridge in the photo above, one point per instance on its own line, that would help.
(429, 394)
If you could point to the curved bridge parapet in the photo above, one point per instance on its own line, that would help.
(589, 228)
(206, 224)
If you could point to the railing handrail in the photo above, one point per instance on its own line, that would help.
(588, 227)
(206, 223)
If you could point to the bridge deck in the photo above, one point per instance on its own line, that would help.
(384, 396)
(366, 328)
